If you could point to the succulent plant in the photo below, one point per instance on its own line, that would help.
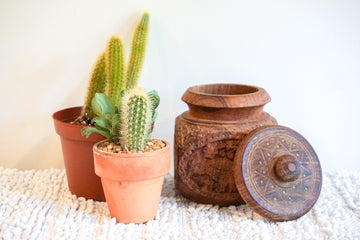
(137, 54)
(115, 69)
(137, 116)
(131, 127)
(107, 120)
(97, 84)
(126, 113)
(110, 76)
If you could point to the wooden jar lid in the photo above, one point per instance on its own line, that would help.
(277, 173)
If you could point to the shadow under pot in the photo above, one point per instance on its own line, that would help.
(78, 155)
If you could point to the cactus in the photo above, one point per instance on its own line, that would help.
(109, 74)
(137, 54)
(126, 113)
(136, 119)
(130, 128)
(115, 69)
(97, 84)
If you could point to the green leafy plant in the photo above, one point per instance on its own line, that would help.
(110, 76)
(123, 113)
(107, 120)
(131, 127)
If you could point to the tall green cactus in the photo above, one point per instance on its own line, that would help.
(97, 84)
(109, 74)
(131, 127)
(133, 111)
(137, 109)
(115, 69)
(137, 54)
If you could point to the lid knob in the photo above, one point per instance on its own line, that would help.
(286, 168)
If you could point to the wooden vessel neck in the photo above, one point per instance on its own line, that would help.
(226, 102)
(226, 114)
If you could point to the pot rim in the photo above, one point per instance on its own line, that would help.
(133, 155)
(56, 116)
(64, 128)
(242, 96)
(132, 166)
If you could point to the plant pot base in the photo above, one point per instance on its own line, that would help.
(132, 182)
(131, 209)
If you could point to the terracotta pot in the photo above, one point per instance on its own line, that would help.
(78, 155)
(208, 135)
(132, 182)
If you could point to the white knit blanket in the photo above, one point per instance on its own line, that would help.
(37, 204)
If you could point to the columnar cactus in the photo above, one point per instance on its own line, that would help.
(115, 69)
(125, 114)
(109, 74)
(97, 84)
(137, 54)
(131, 126)
(137, 109)
(119, 78)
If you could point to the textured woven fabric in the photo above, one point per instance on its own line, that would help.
(37, 204)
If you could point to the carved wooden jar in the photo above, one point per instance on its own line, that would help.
(208, 136)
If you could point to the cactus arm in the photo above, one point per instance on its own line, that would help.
(137, 54)
(115, 69)
(97, 84)
(136, 119)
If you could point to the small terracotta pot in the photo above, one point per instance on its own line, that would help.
(132, 182)
(78, 155)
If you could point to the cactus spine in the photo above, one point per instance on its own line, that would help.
(97, 84)
(109, 74)
(136, 119)
(115, 69)
(137, 54)
(133, 110)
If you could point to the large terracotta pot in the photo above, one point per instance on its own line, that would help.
(132, 182)
(208, 135)
(78, 155)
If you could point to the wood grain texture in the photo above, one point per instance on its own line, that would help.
(277, 173)
(228, 102)
(208, 135)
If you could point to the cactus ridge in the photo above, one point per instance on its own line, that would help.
(136, 119)
(97, 84)
(125, 114)
(115, 69)
(137, 54)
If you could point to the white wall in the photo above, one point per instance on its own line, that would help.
(306, 54)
